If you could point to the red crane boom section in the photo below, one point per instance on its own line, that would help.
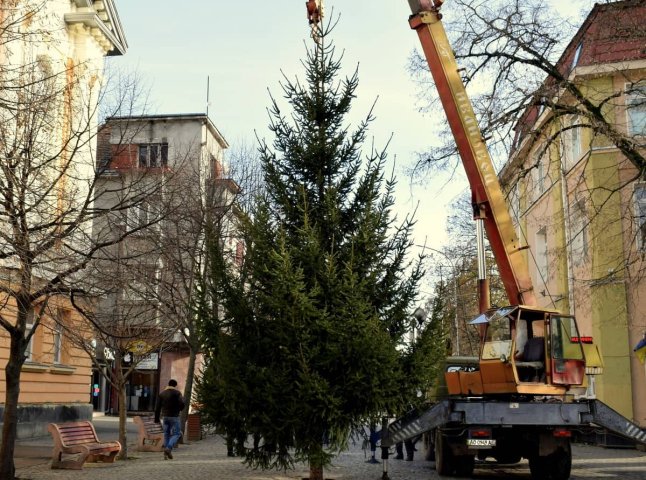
(488, 200)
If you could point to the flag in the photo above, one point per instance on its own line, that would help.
(640, 350)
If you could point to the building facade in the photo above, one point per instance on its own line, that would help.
(173, 166)
(579, 202)
(53, 55)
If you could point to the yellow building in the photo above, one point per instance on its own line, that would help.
(51, 67)
(580, 203)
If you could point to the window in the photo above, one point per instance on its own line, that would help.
(30, 346)
(140, 284)
(142, 214)
(640, 215)
(578, 232)
(571, 142)
(145, 214)
(577, 55)
(541, 256)
(152, 155)
(58, 344)
(498, 336)
(636, 108)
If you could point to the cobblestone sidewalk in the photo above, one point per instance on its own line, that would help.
(207, 460)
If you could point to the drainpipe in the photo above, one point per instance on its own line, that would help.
(568, 243)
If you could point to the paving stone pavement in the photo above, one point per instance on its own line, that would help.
(207, 459)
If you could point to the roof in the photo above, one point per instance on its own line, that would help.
(612, 32)
(175, 117)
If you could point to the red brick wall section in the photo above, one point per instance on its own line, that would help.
(123, 157)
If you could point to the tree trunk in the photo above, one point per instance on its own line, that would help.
(315, 461)
(316, 472)
(10, 417)
(188, 387)
(123, 438)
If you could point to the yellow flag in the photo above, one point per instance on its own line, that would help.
(641, 354)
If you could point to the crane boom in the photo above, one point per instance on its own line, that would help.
(488, 202)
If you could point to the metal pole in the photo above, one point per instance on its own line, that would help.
(455, 297)
(384, 450)
(484, 301)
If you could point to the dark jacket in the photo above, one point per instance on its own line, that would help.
(169, 403)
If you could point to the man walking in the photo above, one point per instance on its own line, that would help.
(170, 403)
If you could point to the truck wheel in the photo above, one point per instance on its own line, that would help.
(560, 463)
(444, 460)
(464, 465)
(556, 466)
(538, 467)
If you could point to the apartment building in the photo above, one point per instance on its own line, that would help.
(173, 167)
(51, 65)
(580, 203)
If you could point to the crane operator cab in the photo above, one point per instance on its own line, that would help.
(523, 350)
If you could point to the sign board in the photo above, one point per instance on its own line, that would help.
(149, 362)
(139, 347)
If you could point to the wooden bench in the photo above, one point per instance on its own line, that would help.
(78, 439)
(151, 434)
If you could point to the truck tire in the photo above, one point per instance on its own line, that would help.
(555, 466)
(429, 447)
(464, 465)
(444, 459)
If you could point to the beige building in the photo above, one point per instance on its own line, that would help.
(175, 164)
(580, 204)
(53, 52)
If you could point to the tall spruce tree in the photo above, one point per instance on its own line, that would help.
(306, 350)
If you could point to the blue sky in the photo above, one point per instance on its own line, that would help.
(243, 47)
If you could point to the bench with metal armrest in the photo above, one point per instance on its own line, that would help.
(76, 443)
(151, 434)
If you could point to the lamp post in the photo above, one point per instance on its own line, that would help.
(455, 294)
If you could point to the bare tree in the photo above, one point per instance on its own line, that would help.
(454, 274)
(537, 83)
(128, 336)
(48, 178)
(209, 208)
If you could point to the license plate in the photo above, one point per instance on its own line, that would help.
(480, 443)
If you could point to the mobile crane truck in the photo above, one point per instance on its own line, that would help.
(517, 401)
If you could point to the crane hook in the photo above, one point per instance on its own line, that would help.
(313, 11)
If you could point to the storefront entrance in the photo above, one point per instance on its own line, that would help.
(142, 385)
(141, 391)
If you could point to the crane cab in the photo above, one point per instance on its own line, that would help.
(523, 350)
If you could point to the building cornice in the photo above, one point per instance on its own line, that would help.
(102, 19)
(175, 117)
(607, 68)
